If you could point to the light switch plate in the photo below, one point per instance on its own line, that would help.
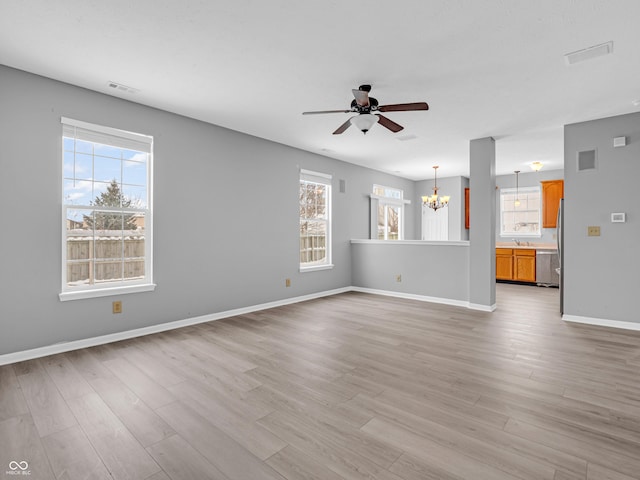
(593, 231)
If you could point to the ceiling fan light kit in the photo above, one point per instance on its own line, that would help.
(364, 105)
(364, 121)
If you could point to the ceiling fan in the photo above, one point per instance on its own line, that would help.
(364, 105)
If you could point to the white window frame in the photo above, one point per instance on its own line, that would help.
(309, 176)
(99, 134)
(392, 197)
(521, 192)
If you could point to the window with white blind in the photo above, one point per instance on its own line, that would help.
(520, 212)
(106, 211)
(315, 220)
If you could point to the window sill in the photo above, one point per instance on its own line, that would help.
(316, 268)
(105, 292)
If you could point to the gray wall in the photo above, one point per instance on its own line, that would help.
(454, 187)
(234, 195)
(428, 270)
(601, 273)
(526, 179)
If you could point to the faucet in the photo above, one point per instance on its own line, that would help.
(516, 241)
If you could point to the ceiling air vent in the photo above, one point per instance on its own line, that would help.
(122, 88)
(589, 53)
(405, 138)
(586, 160)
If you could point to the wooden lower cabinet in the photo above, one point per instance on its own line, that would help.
(524, 265)
(517, 264)
(504, 264)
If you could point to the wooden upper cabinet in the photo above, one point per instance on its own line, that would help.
(466, 208)
(552, 192)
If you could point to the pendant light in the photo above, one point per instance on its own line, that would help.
(434, 201)
(516, 203)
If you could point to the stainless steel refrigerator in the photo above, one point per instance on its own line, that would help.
(560, 240)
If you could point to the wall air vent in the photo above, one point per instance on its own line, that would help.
(619, 142)
(122, 88)
(586, 160)
(589, 53)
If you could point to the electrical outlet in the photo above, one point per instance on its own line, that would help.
(398, 278)
(287, 282)
(593, 231)
(116, 307)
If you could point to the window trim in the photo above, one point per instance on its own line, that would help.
(126, 139)
(106, 292)
(325, 179)
(512, 190)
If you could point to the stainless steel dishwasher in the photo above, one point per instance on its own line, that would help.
(546, 264)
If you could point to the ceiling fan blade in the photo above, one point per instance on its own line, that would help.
(362, 97)
(403, 107)
(390, 124)
(326, 111)
(343, 127)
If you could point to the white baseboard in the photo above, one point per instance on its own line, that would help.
(602, 322)
(163, 327)
(412, 296)
(482, 308)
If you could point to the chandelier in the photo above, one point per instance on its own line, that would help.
(434, 201)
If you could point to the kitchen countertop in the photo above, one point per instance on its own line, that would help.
(532, 245)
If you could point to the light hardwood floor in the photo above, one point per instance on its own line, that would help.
(353, 386)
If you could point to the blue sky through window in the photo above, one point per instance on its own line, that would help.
(90, 167)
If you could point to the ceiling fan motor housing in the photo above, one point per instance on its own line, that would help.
(373, 105)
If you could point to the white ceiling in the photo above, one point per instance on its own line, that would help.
(486, 68)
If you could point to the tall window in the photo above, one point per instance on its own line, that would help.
(315, 220)
(522, 219)
(106, 210)
(390, 212)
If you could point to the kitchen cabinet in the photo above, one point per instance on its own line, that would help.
(518, 264)
(504, 263)
(524, 265)
(466, 208)
(552, 192)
